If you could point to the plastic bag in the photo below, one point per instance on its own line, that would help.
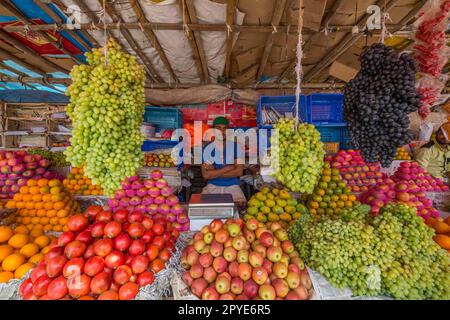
(426, 130)
(430, 89)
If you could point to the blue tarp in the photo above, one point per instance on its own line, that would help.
(32, 96)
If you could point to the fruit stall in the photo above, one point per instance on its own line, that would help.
(108, 112)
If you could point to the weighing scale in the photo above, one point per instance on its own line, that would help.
(203, 208)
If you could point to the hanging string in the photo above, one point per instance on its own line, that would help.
(384, 30)
(26, 27)
(298, 68)
(229, 30)
(274, 29)
(185, 25)
(105, 33)
(286, 48)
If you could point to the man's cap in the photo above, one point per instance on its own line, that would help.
(221, 120)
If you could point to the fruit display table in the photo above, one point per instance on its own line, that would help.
(323, 290)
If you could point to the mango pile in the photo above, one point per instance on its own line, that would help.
(274, 205)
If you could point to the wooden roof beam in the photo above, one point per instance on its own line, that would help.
(24, 75)
(350, 39)
(195, 40)
(5, 36)
(9, 6)
(9, 56)
(326, 20)
(151, 37)
(231, 6)
(44, 7)
(64, 81)
(88, 36)
(94, 19)
(276, 18)
(129, 38)
(179, 27)
(324, 24)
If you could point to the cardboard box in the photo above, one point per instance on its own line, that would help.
(342, 71)
(248, 58)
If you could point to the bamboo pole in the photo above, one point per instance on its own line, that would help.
(91, 39)
(68, 81)
(9, 6)
(44, 7)
(179, 26)
(276, 18)
(231, 6)
(201, 50)
(26, 50)
(350, 39)
(191, 39)
(151, 37)
(148, 66)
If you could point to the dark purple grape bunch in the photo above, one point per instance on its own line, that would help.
(377, 103)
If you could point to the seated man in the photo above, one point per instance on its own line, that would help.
(435, 155)
(223, 177)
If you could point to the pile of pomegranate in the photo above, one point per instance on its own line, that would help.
(358, 175)
(237, 261)
(17, 167)
(152, 196)
(406, 192)
(104, 256)
(412, 171)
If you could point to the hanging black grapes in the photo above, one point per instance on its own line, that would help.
(377, 103)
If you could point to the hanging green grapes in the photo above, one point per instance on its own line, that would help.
(300, 155)
(106, 108)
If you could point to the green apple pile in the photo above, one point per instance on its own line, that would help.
(274, 205)
(392, 253)
(106, 108)
(300, 155)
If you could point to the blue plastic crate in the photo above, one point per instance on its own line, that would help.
(281, 104)
(346, 141)
(164, 118)
(339, 134)
(150, 145)
(325, 108)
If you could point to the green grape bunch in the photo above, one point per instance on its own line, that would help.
(389, 254)
(300, 155)
(106, 108)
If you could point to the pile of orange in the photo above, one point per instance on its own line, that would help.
(79, 184)
(20, 250)
(331, 194)
(442, 229)
(402, 154)
(44, 204)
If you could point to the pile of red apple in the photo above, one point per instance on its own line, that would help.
(17, 167)
(358, 175)
(237, 261)
(412, 171)
(406, 192)
(153, 196)
(103, 256)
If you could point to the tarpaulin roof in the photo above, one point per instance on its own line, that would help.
(32, 96)
(193, 42)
